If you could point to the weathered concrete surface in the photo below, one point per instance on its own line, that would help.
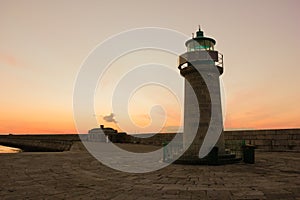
(77, 175)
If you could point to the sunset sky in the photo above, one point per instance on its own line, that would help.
(43, 44)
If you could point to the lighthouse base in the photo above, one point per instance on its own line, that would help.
(213, 158)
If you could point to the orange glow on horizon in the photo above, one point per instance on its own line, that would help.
(41, 55)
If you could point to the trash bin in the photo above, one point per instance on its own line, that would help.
(249, 154)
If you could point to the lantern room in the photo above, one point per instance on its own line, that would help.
(200, 43)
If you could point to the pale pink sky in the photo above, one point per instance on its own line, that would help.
(43, 44)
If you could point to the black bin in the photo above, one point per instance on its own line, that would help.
(249, 154)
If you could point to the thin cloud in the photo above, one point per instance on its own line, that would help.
(10, 60)
(110, 118)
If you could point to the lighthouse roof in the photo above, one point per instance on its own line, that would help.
(200, 37)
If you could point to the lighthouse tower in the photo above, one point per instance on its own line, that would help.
(201, 66)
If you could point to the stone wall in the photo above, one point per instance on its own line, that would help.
(156, 140)
(51, 142)
(268, 140)
(265, 140)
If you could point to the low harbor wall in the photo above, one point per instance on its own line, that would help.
(268, 140)
(48, 143)
(265, 140)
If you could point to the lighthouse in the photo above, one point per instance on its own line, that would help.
(201, 66)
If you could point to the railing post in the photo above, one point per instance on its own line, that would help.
(164, 152)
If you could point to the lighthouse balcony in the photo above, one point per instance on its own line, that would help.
(215, 57)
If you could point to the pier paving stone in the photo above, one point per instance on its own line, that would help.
(77, 175)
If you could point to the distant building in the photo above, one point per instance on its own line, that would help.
(105, 135)
(101, 134)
